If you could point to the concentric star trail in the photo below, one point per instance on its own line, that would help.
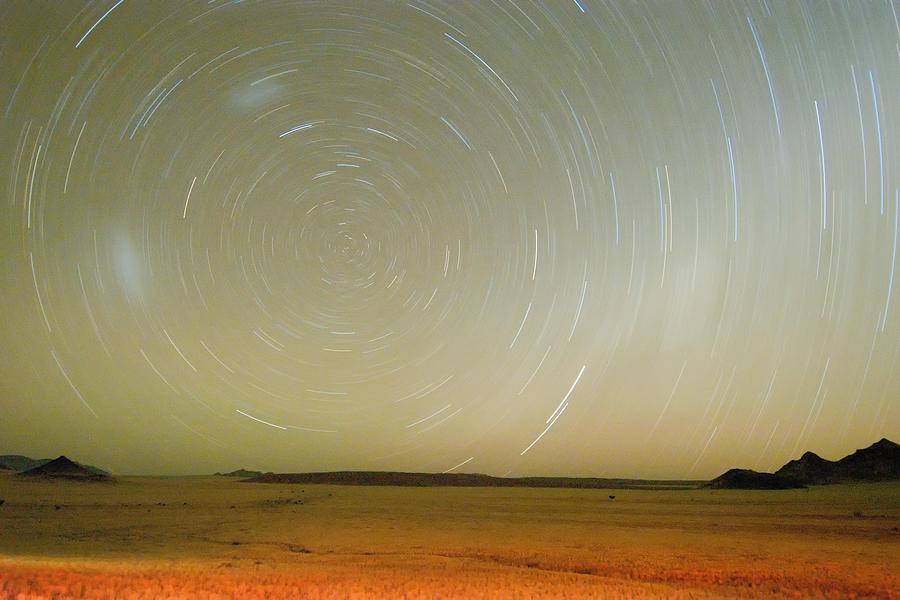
(317, 235)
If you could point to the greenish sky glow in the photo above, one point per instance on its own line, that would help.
(652, 239)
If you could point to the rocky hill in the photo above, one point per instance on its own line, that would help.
(878, 462)
(64, 468)
(18, 462)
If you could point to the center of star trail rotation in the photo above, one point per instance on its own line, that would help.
(557, 238)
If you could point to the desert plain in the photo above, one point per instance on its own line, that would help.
(217, 537)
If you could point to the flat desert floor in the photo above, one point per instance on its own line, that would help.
(215, 537)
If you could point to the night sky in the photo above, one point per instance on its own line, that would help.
(558, 237)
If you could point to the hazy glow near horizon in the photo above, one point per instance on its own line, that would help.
(509, 237)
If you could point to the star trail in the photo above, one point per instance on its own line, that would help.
(514, 237)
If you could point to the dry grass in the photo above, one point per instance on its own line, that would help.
(218, 538)
(365, 579)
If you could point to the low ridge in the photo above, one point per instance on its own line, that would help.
(746, 479)
(394, 478)
(18, 462)
(240, 473)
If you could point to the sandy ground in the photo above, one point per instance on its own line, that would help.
(218, 538)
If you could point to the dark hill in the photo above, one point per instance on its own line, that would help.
(745, 479)
(878, 462)
(63, 468)
(241, 473)
(20, 463)
(17, 462)
(810, 468)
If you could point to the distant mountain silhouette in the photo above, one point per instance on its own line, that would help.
(745, 479)
(65, 468)
(241, 473)
(394, 478)
(18, 462)
(878, 462)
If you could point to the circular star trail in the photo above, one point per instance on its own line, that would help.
(509, 237)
